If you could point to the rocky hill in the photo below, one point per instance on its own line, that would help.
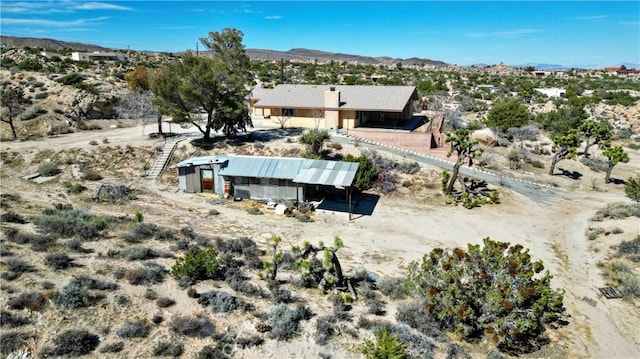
(256, 54)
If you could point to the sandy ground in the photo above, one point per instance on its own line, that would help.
(402, 229)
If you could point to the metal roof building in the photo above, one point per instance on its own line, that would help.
(262, 178)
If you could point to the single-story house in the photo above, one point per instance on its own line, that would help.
(263, 178)
(98, 56)
(553, 92)
(331, 106)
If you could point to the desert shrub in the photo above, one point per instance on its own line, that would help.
(137, 253)
(168, 349)
(617, 230)
(28, 300)
(58, 260)
(366, 174)
(240, 283)
(213, 212)
(12, 341)
(75, 295)
(254, 211)
(74, 188)
(48, 169)
(461, 292)
(18, 265)
(157, 319)
(594, 164)
(193, 327)
(222, 302)
(76, 246)
(8, 319)
(210, 352)
(114, 347)
(632, 188)
(94, 284)
(326, 328)
(164, 302)
(631, 247)
(625, 279)
(12, 217)
(137, 329)
(618, 211)
(284, 321)
(74, 343)
(195, 266)
(386, 345)
(91, 175)
(151, 294)
(149, 273)
(392, 287)
(455, 351)
(71, 79)
(68, 223)
(140, 232)
(164, 235)
(417, 344)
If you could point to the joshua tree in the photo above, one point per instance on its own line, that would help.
(14, 101)
(614, 155)
(465, 149)
(567, 146)
(596, 131)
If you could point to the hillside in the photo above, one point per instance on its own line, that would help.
(256, 54)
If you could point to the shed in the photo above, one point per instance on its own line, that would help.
(263, 178)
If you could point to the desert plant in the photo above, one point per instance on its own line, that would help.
(91, 175)
(392, 287)
(192, 326)
(12, 217)
(164, 302)
(75, 295)
(461, 290)
(58, 260)
(196, 266)
(284, 321)
(73, 343)
(222, 302)
(114, 347)
(166, 348)
(632, 188)
(149, 273)
(28, 300)
(12, 341)
(8, 319)
(48, 169)
(366, 173)
(326, 328)
(386, 345)
(137, 329)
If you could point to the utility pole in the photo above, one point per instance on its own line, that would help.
(282, 70)
(197, 49)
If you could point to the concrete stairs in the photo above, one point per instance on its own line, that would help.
(161, 161)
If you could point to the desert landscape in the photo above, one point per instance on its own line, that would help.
(133, 316)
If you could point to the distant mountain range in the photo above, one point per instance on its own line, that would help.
(293, 54)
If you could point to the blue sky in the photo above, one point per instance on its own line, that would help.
(513, 32)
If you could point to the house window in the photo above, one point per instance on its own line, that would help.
(241, 181)
(288, 112)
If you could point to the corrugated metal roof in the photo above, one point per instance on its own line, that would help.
(202, 160)
(262, 167)
(300, 170)
(355, 97)
(328, 173)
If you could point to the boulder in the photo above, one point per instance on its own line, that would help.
(485, 136)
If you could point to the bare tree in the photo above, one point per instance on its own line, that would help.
(13, 102)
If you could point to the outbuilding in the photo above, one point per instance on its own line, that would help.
(264, 178)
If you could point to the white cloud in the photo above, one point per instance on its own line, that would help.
(509, 34)
(592, 17)
(101, 6)
(273, 17)
(50, 23)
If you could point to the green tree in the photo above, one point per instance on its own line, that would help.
(599, 131)
(508, 113)
(632, 188)
(614, 155)
(465, 149)
(566, 147)
(213, 85)
(494, 290)
(13, 103)
(367, 172)
(314, 141)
